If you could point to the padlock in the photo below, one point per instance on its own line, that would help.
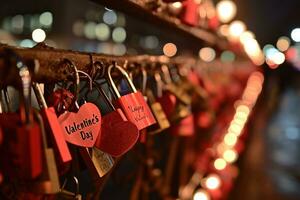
(190, 15)
(98, 162)
(52, 124)
(133, 104)
(118, 135)
(48, 181)
(165, 98)
(176, 89)
(157, 110)
(27, 146)
(184, 127)
(64, 194)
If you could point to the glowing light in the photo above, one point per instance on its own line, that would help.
(236, 28)
(243, 109)
(102, 32)
(227, 56)
(230, 139)
(207, 54)
(89, 30)
(230, 155)
(119, 34)
(295, 34)
(220, 164)
(201, 195)
(246, 36)
(235, 128)
(283, 43)
(226, 10)
(38, 35)
(177, 4)
(110, 17)
(170, 49)
(46, 19)
(213, 182)
(224, 30)
(27, 43)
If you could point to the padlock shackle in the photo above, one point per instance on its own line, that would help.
(166, 72)
(39, 95)
(124, 73)
(74, 178)
(24, 74)
(102, 92)
(159, 84)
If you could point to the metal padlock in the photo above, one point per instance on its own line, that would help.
(158, 112)
(174, 88)
(64, 194)
(28, 144)
(98, 162)
(133, 104)
(52, 124)
(48, 181)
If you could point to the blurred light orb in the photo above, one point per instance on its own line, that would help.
(27, 43)
(119, 34)
(38, 35)
(295, 34)
(227, 56)
(236, 28)
(230, 139)
(220, 164)
(283, 43)
(102, 31)
(110, 17)
(213, 182)
(170, 49)
(201, 194)
(246, 36)
(226, 10)
(46, 19)
(278, 58)
(224, 30)
(230, 155)
(207, 54)
(89, 30)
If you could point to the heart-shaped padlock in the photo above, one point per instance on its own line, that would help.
(118, 135)
(81, 128)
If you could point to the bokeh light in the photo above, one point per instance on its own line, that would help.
(201, 194)
(283, 43)
(295, 34)
(226, 10)
(220, 164)
(212, 182)
(170, 49)
(207, 54)
(236, 28)
(38, 35)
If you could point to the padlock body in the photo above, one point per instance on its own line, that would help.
(28, 148)
(136, 110)
(118, 135)
(57, 136)
(185, 127)
(168, 102)
(161, 118)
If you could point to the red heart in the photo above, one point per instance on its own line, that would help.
(81, 128)
(118, 135)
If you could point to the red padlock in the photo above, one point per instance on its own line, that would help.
(118, 135)
(52, 124)
(22, 150)
(190, 15)
(133, 104)
(185, 127)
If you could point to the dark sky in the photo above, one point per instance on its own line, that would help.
(269, 19)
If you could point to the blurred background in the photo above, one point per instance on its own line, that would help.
(270, 168)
